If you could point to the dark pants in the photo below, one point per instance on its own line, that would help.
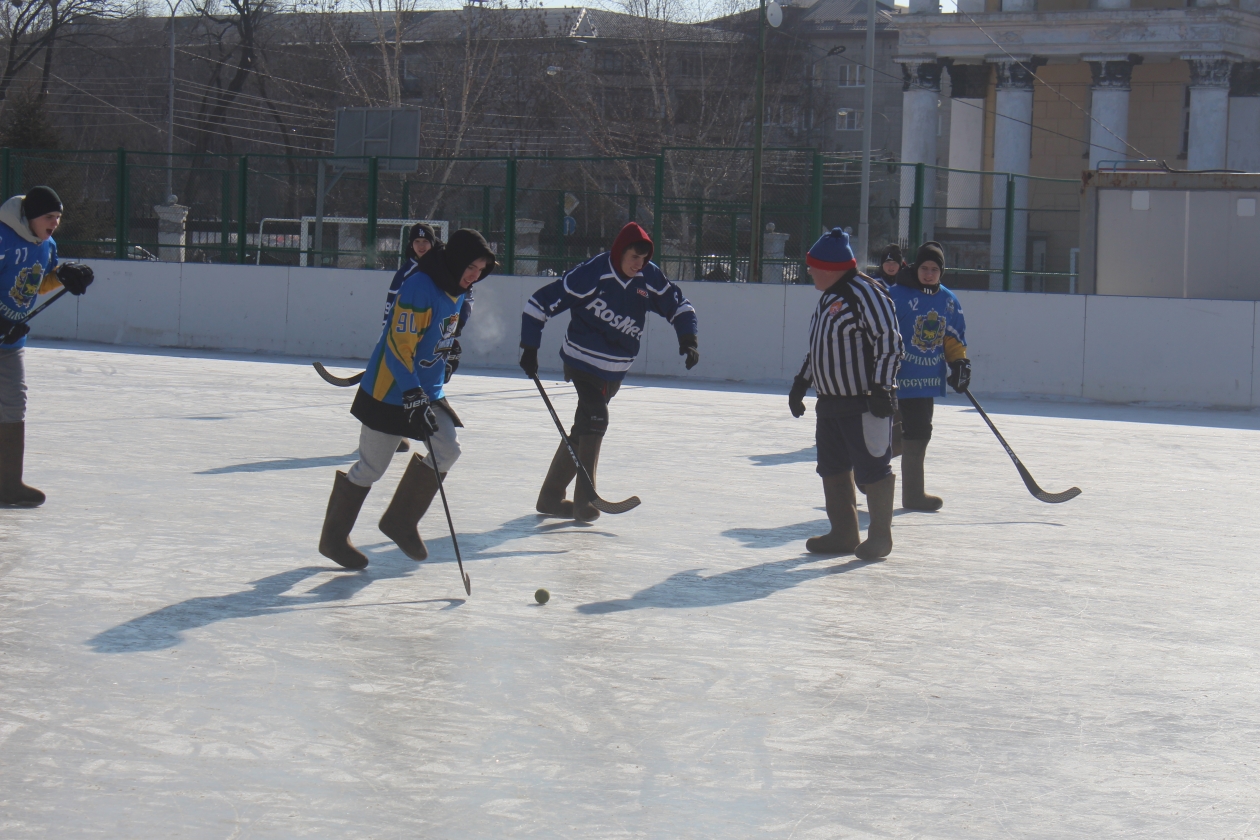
(916, 417)
(848, 439)
(593, 393)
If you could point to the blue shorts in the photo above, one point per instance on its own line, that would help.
(858, 442)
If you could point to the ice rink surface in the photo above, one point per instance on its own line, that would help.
(177, 660)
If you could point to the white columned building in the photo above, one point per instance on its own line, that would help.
(1109, 108)
(1209, 111)
(968, 84)
(1012, 150)
(920, 122)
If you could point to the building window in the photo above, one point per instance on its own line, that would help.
(848, 119)
(851, 75)
(609, 62)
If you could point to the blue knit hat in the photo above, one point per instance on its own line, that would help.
(832, 252)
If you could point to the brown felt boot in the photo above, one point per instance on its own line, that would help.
(912, 495)
(12, 452)
(588, 454)
(343, 509)
(412, 498)
(879, 502)
(842, 511)
(551, 498)
(403, 446)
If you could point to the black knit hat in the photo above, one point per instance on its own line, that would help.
(891, 252)
(40, 200)
(465, 246)
(930, 252)
(421, 230)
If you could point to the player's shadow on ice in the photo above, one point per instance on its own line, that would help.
(691, 589)
(284, 464)
(809, 453)
(164, 628)
(480, 546)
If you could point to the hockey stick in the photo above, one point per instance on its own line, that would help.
(334, 380)
(1038, 493)
(596, 502)
(455, 542)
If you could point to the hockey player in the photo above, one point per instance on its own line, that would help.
(890, 265)
(608, 298)
(397, 397)
(28, 269)
(934, 331)
(854, 351)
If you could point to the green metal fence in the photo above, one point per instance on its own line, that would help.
(544, 214)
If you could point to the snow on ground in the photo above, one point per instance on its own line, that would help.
(176, 659)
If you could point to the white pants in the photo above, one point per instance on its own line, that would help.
(376, 450)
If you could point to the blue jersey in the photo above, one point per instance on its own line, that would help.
(934, 331)
(26, 266)
(607, 315)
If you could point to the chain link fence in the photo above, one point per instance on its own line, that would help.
(544, 214)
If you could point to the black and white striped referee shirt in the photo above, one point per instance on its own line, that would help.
(848, 349)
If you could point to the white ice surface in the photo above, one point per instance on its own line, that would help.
(176, 660)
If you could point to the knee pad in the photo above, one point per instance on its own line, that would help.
(591, 422)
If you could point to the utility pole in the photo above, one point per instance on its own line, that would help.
(170, 115)
(759, 127)
(868, 109)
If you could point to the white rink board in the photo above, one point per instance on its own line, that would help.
(1109, 348)
(176, 660)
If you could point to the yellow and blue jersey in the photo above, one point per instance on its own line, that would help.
(26, 272)
(934, 332)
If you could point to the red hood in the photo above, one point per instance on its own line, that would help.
(630, 234)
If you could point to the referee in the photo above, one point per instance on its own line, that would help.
(854, 352)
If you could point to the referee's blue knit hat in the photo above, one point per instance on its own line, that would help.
(832, 252)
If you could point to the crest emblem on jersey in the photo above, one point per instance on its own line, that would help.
(642, 292)
(835, 308)
(929, 332)
(26, 285)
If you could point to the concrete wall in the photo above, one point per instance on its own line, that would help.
(1111, 348)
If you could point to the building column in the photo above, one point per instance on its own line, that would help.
(968, 84)
(1244, 117)
(1109, 109)
(920, 96)
(1012, 149)
(1209, 111)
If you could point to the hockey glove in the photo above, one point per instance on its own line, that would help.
(452, 359)
(959, 375)
(529, 361)
(76, 277)
(12, 331)
(688, 345)
(882, 402)
(420, 417)
(796, 397)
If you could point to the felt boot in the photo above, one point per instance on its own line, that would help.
(403, 446)
(343, 509)
(588, 453)
(551, 498)
(879, 501)
(12, 452)
(842, 511)
(411, 500)
(912, 495)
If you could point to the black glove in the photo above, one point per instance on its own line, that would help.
(882, 402)
(529, 361)
(11, 331)
(959, 375)
(796, 397)
(688, 346)
(76, 277)
(452, 359)
(420, 417)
